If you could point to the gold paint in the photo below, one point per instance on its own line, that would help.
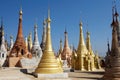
(84, 58)
(48, 63)
(30, 41)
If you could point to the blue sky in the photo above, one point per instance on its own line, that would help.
(96, 16)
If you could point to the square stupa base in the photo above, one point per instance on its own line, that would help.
(52, 76)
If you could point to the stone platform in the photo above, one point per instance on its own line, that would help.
(52, 76)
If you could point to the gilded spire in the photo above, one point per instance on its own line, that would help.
(48, 63)
(30, 41)
(81, 35)
(48, 19)
(88, 44)
(81, 50)
(81, 47)
(48, 35)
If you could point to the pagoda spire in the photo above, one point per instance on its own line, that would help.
(29, 39)
(112, 68)
(81, 51)
(19, 49)
(48, 63)
(81, 46)
(11, 42)
(108, 47)
(88, 43)
(66, 39)
(36, 50)
(2, 46)
(2, 23)
(48, 35)
(3, 50)
(61, 48)
(19, 35)
(1, 30)
(114, 40)
(66, 53)
(43, 36)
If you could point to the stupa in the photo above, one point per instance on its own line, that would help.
(3, 50)
(36, 50)
(49, 66)
(112, 61)
(19, 49)
(66, 53)
(83, 58)
(91, 55)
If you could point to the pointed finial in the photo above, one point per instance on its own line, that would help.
(48, 19)
(113, 22)
(48, 12)
(21, 10)
(88, 33)
(108, 45)
(80, 23)
(11, 37)
(35, 25)
(65, 31)
(2, 23)
(60, 40)
(44, 21)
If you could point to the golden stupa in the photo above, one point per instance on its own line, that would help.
(48, 63)
(84, 58)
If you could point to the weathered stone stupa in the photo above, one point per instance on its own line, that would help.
(48, 66)
(42, 45)
(3, 50)
(36, 50)
(112, 61)
(19, 49)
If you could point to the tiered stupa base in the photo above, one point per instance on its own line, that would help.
(49, 67)
(113, 73)
(52, 76)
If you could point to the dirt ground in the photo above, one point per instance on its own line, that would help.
(19, 74)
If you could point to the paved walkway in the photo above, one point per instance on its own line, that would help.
(16, 74)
